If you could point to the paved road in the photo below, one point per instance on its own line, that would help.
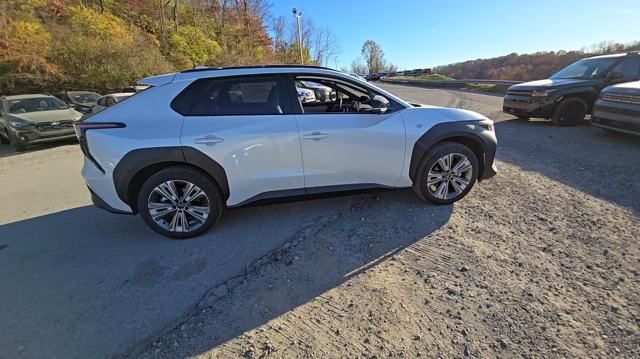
(79, 282)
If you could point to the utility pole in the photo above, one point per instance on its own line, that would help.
(298, 16)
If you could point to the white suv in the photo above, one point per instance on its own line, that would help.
(202, 140)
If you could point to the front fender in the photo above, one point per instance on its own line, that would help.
(471, 133)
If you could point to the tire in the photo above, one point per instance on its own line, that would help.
(432, 163)
(15, 143)
(184, 218)
(569, 112)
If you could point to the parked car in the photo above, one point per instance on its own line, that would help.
(323, 93)
(81, 101)
(134, 88)
(185, 149)
(568, 96)
(618, 108)
(373, 77)
(305, 95)
(110, 100)
(32, 119)
(359, 77)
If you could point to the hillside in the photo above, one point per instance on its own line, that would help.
(526, 67)
(49, 45)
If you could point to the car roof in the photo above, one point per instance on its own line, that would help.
(205, 72)
(26, 96)
(623, 54)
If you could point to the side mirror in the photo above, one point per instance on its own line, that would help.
(614, 75)
(379, 102)
(379, 110)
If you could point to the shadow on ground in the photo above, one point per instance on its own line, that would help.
(601, 163)
(85, 283)
(370, 232)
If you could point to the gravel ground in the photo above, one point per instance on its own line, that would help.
(540, 261)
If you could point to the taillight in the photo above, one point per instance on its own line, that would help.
(81, 129)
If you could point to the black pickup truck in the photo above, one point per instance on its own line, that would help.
(567, 96)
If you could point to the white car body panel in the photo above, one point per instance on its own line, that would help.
(358, 148)
(265, 153)
(259, 153)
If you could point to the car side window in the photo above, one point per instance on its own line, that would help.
(102, 102)
(630, 68)
(238, 97)
(336, 97)
(110, 101)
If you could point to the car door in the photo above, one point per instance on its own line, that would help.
(245, 124)
(351, 148)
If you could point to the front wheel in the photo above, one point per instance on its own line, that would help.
(180, 202)
(15, 142)
(447, 173)
(569, 112)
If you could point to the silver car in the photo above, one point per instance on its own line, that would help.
(32, 119)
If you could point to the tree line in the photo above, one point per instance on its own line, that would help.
(525, 67)
(103, 45)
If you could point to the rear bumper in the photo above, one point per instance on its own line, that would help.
(100, 203)
(102, 189)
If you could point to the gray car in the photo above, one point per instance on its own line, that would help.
(618, 108)
(33, 119)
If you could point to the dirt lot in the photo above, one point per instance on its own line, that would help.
(540, 261)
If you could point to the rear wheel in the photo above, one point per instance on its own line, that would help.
(447, 173)
(180, 202)
(569, 112)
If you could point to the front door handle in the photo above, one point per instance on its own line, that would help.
(316, 136)
(208, 140)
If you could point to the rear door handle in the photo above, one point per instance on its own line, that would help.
(208, 140)
(316, 136)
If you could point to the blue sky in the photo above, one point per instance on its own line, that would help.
(428, 33)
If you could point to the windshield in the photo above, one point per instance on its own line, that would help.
(586, 69)
(82, 98)
(35, 105)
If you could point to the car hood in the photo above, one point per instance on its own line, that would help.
(47, 116)
(631, 88)
(457, 114)
(553, 84)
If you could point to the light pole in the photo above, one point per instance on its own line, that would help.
(298, 15)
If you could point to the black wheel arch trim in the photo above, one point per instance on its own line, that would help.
(138, 160)
(470, 130)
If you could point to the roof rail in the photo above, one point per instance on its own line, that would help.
(204, 68)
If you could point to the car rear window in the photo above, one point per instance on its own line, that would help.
(232, 97)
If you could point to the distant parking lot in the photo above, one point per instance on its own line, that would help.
(79, 282)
